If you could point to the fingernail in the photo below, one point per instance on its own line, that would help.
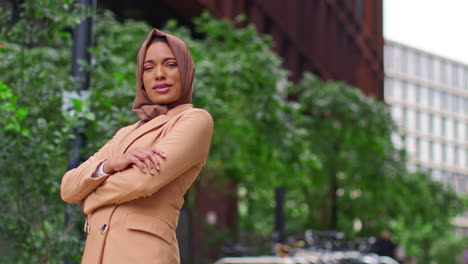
(158, 167)
(152, 171)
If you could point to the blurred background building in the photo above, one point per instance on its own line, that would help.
(428, 98)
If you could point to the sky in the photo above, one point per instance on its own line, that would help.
(436, 26)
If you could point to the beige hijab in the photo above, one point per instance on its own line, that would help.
(142, 106)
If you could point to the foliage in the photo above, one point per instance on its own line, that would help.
(329, 145)
(35, 71)
(449, 249)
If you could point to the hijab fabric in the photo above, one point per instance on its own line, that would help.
(143, 106)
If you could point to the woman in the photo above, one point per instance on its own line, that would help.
(132, 189)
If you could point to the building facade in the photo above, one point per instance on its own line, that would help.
(428, 98)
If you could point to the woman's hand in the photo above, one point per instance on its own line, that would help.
(144, 159)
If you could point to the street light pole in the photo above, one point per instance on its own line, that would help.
(81, 44)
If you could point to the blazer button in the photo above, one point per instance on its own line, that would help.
(103, 228)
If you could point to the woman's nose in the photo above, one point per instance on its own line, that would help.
(159, 74)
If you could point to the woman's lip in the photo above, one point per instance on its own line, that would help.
(162, 88)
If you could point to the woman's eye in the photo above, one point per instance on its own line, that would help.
(147, 68)
(172, 64)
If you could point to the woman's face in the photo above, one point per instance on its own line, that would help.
(161, 76)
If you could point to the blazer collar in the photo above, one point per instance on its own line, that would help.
(153, 124)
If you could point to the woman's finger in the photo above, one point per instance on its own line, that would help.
(161, 153)
(135, 160)
(155, 162)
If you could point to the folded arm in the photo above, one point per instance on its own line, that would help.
(186, 145)
(77, 183)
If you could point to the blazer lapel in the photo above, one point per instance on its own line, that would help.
(151, 125)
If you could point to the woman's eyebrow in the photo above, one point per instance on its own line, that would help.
(164, 60)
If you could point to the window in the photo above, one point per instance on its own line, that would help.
(418, 121)
(431, 124)
(430, 68)
(397, 89)
(444, 127)
(411, 92)
(397, 114)
(396, 64)
(404, 120)
(418, 148)
(424, 67)
(410, 62)
(404, 66)
(437, 126)
(430, 96)
(411, 119)
(437, 152)
(436, 70)
(449, 128)
(388, 88)
(437, 99)
(388, 57)
(424, 122)
(455, 129)
(454, 74)
(444, 152)
(431, 150)
(450, 156)
(411, 145)
(461, 78)
(448, 73)
(461, 105)
(424, 153)
(417, 64)
(461, 131)
(424, 96)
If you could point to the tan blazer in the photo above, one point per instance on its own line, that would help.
(132, 216)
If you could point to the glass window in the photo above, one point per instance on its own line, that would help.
(450, 156)
(463, 157)
(447, 73)
(437, 70)
(454, 74)
(418, 121)
(461, 131)
(424, 67)
(466, 79)
(424, 122)
(444, 152)
(388, 88)
(411, 119)
(437, 152)
(442, 70)
(410, 62)
(431, 150)
(430, 68)
(449, 128)
(437, 126)
(431, 124)
(461, 105)
(418, 149)
(411, 92)
(396, 65)
(444, 127)
(417, 64)
(404, 68)
(461, 77)
(388, 57)
(424, 154)
(454, 103)
(437, 99)
(397, 89)
(404, 120)
(397, 114)
(411, 145)
(424, 96)
(455, 129)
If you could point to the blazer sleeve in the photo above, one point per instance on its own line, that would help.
(77, 183)
(186, 145)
